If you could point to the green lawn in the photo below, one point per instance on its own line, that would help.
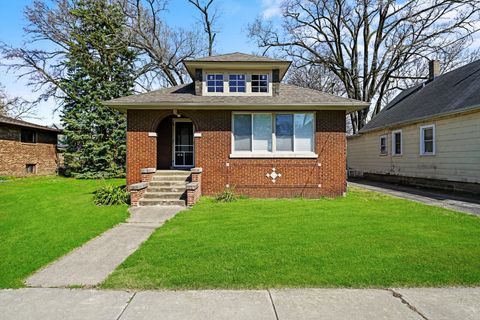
(363, 240)
(43, 218)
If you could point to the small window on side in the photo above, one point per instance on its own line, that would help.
(30, 168)
(397, 143)
(28, 136)
(383, 145)
(427, 140)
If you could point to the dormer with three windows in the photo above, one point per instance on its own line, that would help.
(237, 74)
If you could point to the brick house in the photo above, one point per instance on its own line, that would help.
(27, 148)
(237, 125)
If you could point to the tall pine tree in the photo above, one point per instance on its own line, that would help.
(100, 67)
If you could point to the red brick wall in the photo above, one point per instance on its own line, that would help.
(15, 155)
(300, 177)
(141, 148)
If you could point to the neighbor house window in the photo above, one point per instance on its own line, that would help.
(427, 140)
(28, 136)
(215, 82)
(383, 145)
(236, 82)
(267, 133)
(397, 143)
(259, 82)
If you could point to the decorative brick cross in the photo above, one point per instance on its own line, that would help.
(274, 175)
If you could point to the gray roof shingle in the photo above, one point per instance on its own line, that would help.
(454, 91)
(25, 124)
(185, 95)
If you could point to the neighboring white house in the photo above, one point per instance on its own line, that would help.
(429, 135)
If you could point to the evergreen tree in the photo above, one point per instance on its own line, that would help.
(100, 67)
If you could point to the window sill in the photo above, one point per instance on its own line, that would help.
(427, 154)
(297, 155)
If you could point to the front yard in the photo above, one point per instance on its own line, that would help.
(363, 240)
(43, 218)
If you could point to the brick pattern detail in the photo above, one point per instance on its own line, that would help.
(141, 149)
(325, 176)
(194, 195)
(135, 196)
(147, 177)
(15, 155)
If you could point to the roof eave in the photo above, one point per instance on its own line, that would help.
(420, 119)
(31, 126)
(348, 107)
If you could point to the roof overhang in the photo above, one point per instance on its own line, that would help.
(469, 109)
(31, 126)
(191, 65)
(235, 106)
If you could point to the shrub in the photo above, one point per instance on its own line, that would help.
(110, 195)
(227, 195)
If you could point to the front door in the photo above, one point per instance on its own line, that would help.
(182, 143)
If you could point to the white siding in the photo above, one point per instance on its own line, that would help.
(457, 156)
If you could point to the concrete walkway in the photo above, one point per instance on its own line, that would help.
(94, 261)
(274, 304)
(464, 204)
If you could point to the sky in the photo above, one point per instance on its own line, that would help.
(233, 22)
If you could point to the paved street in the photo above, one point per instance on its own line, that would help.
(466, 204)
(425, 303)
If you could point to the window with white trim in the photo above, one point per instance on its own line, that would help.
(273, 133)
(397, 143)
(427, 140)
(215, 82)
(237, 83)
(259, 82)
(383, 145)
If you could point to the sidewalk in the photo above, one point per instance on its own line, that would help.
(91, 263)
(434, 198)
(371, 304)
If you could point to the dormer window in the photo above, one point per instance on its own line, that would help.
(259, 82)
(215, 83)
(237, 83)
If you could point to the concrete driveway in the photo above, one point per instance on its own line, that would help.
(273, 304)
(466, 204)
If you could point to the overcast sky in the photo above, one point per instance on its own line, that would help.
(236, 15)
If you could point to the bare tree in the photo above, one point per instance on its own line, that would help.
(161, 49)
(15, 107)
(317, 77)
(41, 67)
(208, 21)
(368, 45)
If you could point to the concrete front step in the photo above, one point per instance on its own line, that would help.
(176, 184)
(163, 195)
(180, 188)
(170, 178)
(172, 173)
(161, 202)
